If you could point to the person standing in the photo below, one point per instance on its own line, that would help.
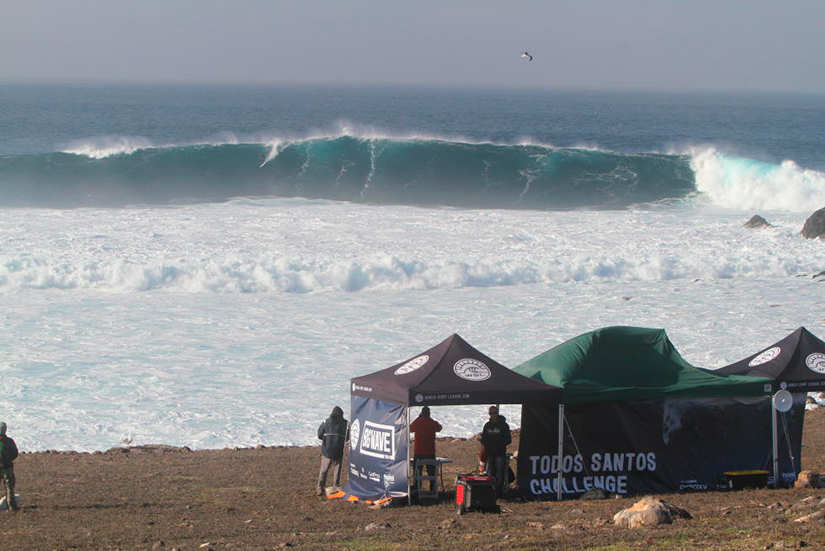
(495, 437)
(8, 453)
(424, 427)
(333, 433)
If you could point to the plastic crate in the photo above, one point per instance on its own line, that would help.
(746, 479)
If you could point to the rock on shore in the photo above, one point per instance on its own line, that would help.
(815, 225)
(757, 221)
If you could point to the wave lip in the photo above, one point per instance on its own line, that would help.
(376, 170)
(107, 146)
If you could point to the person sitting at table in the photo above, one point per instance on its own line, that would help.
(424, 429)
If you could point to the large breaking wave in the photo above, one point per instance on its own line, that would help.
(385, 170)
(369, 170)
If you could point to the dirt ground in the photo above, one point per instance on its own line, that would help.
(263, 498)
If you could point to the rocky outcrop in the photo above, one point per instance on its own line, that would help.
(815, 225)
(757, 221)
(807, 479)
(649, 511)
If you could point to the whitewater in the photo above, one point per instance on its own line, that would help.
(213, 293)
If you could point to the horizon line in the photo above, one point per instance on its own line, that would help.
(397, 85)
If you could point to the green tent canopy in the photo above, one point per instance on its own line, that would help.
(631, 363)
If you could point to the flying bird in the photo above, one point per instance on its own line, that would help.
(528, 56)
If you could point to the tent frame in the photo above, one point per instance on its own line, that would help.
(559, 474)
(775, 445)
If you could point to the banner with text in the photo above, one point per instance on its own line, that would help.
(652, 446)
(377, 466)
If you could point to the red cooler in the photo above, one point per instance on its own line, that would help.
(475, 493)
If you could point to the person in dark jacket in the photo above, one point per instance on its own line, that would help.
(495, 437)
(333, 433)
(8, 453)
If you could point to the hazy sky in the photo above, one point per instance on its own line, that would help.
(661, 44)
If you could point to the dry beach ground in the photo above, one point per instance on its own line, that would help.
(257, 499)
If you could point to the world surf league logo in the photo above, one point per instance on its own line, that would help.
(765, 356)
(354, 434)
(412, 365)
(816, 362)
(472, 370)
(377, 440)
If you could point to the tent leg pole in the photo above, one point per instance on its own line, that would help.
(775, 445)
(407, 436)
(560, 473)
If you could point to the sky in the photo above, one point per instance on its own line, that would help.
(743, 45)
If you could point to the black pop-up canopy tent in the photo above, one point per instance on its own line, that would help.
(450, 373)
(796, 364)
(641, 419)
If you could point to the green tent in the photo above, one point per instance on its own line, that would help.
(631, 363)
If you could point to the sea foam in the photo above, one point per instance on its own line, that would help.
(303, 246)
(742, 183)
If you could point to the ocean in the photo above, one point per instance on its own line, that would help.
(208, 266)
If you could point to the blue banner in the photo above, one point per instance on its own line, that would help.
(379, 438)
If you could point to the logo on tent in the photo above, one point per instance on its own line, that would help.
(472, 370)
(412, 365)
(765, 356)
(816, 362)
(378, 440)
(354, 434)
